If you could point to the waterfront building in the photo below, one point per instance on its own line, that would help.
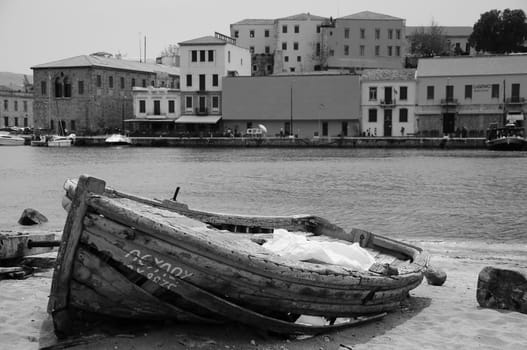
(91, 94)
(205, 62)
(388, 98)
(464, 94)
(288, 44)
(366, 40)
(16, 109)
(308, 105)
(155, 111)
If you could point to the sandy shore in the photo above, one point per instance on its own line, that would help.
(446, 317)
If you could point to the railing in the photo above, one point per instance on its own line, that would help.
(449, 101)
(202, 111)
(388, 103)
(515, 100)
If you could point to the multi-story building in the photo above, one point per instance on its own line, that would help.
(16, 109)
(92, 93)
(291, 41)
(388, 102)
(366, 40)
(464, 94)
(308, 105)
(205, 62)
(155, 111)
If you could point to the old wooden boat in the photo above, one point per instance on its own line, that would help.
(511, 137)
(128, 257)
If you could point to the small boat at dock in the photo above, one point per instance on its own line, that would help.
(511, 137)
(125, 257)
(11, 140)
(118, 140)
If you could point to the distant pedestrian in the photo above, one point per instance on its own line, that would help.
(464, 132)
(281, 132)
(402, 130)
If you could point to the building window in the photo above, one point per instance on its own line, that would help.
(429, 92)
(255, 68)
(372, 115)
(236, 34)
(269, 68)
(295, 46)
(468, 91)
(284, 29)
(189, 80)
(110, 82)
(52, 124)
(133, 82)
(215, 80)
(346, 50)
(25, 106)
(286, 58)
(377, 50)
(515, 92)
(72, 125)
(398, 34)
(284, 46)
(171, 106)
(398, 51)
(267, 50)
(251, 49)
(495, 91)
(43, 88)
(142, 106)
(6, 121)
(188, 103)
(403, 93)
(403, 115)
(67, 87)
(211, 55)
(297, 28)
(362, 49)
(16, 121)
(377, 33)
(58, 87)
(390, 34)
(298, 58)
(122, 82)
(292, 69)
(266, 33)
(331, 52)
(251, 33)
(318, 50)
(389, 50)
(194, 55)
(16, 106)
(215, 103)
(373, 93)
(152, 83)
(143, 83)
(325, 129)
(449, 92)
(26, 123)
(228, 56)
(80, 87)
(363, 33)
(6, 105)
(99, 80)
(346, 33)
(202, 55)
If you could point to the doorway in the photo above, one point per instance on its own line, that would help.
(387, 122)
(388, 95)
(449, 123)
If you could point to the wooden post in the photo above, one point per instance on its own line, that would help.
(58, 300)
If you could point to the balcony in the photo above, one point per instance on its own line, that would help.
(515, 100)
(388, 103)
(202, 111)
(449, 101)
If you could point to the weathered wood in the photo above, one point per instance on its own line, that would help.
(502, 289)
(16, 246)
(58, 300)
(31, 216)
(7, 270)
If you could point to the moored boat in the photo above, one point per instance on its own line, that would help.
(509, 138)
(128, 257)
(118, 140)
(11, 140)
(60, 141)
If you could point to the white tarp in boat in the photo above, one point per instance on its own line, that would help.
(298, 247)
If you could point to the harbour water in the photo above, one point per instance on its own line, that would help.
(456, 195)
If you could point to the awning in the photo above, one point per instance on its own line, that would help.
(194, 119)
(149, 120)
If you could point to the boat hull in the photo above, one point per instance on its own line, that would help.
(8, 140)
(134, 259)
(507, 144)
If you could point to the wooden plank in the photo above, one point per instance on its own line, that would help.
(16, 246)
(58, 300)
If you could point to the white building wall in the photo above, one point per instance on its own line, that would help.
(151, 94)
(377, 128)
(242, 34)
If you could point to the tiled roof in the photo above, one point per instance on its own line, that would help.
(368, 15)
(472, 65)
(447, 31)
(100, 61)
(302, 17)
(387, 74)
(250, 21)
(204, 40)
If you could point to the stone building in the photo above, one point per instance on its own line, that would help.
(388, 102)
(470, 92)
(92, 94)
(16, 109)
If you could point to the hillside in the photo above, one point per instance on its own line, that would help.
(14, 81)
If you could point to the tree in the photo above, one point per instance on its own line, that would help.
(429, 42)
(170, 51)
(499, 32)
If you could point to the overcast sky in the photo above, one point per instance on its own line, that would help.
(40, 31)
